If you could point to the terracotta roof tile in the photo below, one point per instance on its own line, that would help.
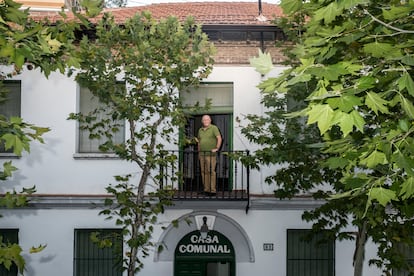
(205, 13)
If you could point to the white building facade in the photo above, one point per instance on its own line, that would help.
(254, 235)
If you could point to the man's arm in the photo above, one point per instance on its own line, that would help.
(218, 143)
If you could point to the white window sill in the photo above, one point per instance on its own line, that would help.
(95, 156)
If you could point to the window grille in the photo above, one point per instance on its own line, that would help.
(9, 236)
(92, 260)
(407, 251)
(314, 257)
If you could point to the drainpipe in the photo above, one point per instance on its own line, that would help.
(248, 184)
(261, 18)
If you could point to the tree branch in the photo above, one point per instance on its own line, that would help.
(388, 25)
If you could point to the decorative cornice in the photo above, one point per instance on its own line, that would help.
(257, 202)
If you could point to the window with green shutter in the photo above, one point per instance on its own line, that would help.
(408, 252)
(10, 102)
(90, 259)
(91, 106)
(315, 257)
(9, 236)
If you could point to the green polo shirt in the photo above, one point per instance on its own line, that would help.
(208, 137)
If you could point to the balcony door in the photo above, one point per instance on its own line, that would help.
(191, 167)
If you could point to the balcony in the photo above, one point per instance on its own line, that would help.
(185, 178)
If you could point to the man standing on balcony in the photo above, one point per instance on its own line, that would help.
(209, 142)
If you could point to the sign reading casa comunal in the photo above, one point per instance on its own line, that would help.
(214, 243)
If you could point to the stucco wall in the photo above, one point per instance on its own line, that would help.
(52, 167)
(55, 228)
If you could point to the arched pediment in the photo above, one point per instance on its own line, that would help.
(188, 223)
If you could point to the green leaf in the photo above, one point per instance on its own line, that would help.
(404, 162)
(394, 12)
(406, 82)
(37, 249)
(344, 122)
(407, 188)
(300, 78)
(376, 103)
(404, 125)
(263, 63)
(291, 6)
(13, 142)
(8, 169)
(337, 162)
(354, 182)
(328, 13)
(382, 195)
(375, 158)
(347, 4)
(381, 50)
(345, 103)
(408, 59)
(366, 82)
(357, 120)
(347, 121)
(407, 106)
(321, 114)
(16, 120)
(92, 7)
(7, 51)
(331, 72)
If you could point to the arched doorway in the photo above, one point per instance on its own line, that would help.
(210, 256)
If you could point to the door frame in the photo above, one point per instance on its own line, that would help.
(227, 144)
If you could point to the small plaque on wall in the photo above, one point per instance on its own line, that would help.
(268, 247)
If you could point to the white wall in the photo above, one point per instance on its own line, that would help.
(52, 166)
(55, 228)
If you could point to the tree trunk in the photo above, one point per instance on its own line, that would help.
(137, 221)
(359, 254)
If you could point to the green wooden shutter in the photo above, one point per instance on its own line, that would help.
(87, 104)
(12, 98)
(10, 103)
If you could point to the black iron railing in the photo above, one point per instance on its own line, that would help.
(185, 176)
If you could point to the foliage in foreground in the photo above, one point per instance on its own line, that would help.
(354, 65)
(34, 44)
(137, 71)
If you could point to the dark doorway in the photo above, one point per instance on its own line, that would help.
(203, 268)
(191, 168)
(212, 256)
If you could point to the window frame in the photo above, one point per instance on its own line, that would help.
(208, 91)
(12, 236)
(98, 256)
(95, 153)
(408, 252)
(17, 101)
(313, 256)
